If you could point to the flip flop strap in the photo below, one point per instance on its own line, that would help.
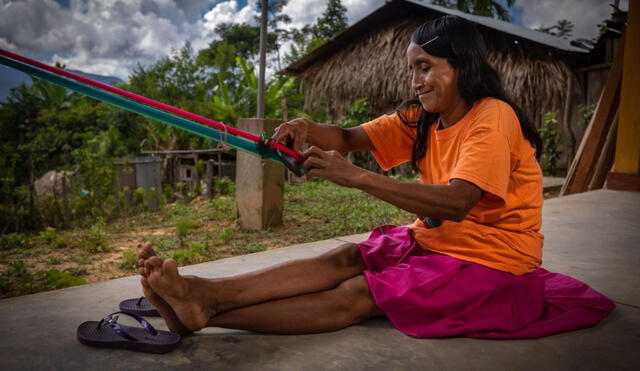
(112, 322)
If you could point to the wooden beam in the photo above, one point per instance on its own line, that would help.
(605, 161)
(595, 67)
(623, 181)
(581, 170)
(628, 141)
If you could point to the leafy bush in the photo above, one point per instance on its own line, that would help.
(54, 260)
(14, 240)
(185, 224)
(95, 239)
(586, 110)
(53, 239)
(17, 280)
(139, 196)
(129, 260)
(358, 112)
(222, 208)
(167, 194)
(162, 243)
(225, 187)
(226, 235)
(550, 141)
(81, 259)
(181, 189)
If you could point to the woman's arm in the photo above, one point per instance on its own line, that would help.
(451, 202)
(326, 137)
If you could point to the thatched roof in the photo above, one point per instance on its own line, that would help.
(368, 60)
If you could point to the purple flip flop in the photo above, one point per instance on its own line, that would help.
(140, 306)
(108, 333)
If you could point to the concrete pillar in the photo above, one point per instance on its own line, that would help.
(259, 183)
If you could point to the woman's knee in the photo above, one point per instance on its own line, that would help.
(355, 300)
(345, 256)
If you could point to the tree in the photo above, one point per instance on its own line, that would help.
(486, 8)
(563, 29)
(332, 21)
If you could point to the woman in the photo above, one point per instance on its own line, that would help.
(475, 274)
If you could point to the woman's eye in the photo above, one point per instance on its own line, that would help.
(425, 68)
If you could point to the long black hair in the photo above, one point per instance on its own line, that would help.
(459, 41)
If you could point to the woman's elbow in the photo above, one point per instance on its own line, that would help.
(460, 210)
(458, 217)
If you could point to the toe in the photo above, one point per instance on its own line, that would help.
(153, 265)
(148, 250)
(169, 267)
(144, 282)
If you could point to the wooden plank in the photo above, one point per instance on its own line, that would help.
(623, 181)
(581, 170)
(605, 161)
(628, 141)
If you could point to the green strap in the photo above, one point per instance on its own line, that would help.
(150, 112)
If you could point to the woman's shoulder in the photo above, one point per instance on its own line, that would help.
(496, 114)
(494, 105)
(410, 113)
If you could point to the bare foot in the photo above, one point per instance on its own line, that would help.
(187, 296)
(169, 316)
(144, 254)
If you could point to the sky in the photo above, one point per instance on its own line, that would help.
(111, 37)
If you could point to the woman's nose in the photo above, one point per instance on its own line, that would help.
(416, 83)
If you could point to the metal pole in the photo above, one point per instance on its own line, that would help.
(263, 57)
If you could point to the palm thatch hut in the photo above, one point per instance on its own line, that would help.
(368, 60)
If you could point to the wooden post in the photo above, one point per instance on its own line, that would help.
(65, 201)
(581, 170)
(626, 170)
(209, 178)
(259, 183)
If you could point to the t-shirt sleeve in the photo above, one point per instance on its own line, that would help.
(485, 159)
(392, 139)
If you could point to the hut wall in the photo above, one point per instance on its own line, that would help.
(375, 67)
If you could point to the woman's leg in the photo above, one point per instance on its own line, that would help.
(347, 304)
(195, 300)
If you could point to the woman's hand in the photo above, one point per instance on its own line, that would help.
(293, 133)
(330, 165)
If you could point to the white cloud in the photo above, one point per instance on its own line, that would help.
(303, 12)
(228, 12)
(113, 36)
(358, 9)
(584, 14)
(6, 45)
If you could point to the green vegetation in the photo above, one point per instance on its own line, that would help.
(586, 112)
(486, 8)
(190, 233)
(550, 142)
(18, 279)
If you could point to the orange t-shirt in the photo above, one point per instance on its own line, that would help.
(487, 148)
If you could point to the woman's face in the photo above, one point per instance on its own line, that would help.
(434, 81)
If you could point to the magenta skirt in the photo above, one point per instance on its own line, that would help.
(426, 294)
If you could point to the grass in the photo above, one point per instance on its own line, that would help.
(18, 279)
(190, 233)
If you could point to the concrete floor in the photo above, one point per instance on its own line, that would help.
(591, 236)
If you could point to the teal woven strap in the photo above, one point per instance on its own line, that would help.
(150, 112)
